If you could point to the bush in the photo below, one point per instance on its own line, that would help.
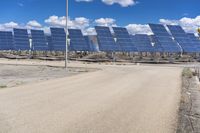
(3, 86)
(187, 73)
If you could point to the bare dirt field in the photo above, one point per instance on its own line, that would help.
(114, 99)
(18, 74)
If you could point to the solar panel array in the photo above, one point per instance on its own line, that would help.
(106, 40)
(6, 40)
(183, 39)
(164, 39)
(58, 39)
(39, 42)
(77, 41)
(124, 40)
(21, 39)
(143, 43)
(172, 40)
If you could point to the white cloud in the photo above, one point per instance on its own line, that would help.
(89, 31)
(123, 3)
(34, 24)
(188, 24)
(105, 22)
(168, 22)
(77, 23)
(138, 29)
(56, 21)
(9, 26)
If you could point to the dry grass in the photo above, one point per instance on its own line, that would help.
(3, 86)
(187, 73)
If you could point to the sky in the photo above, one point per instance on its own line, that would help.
(85, 14)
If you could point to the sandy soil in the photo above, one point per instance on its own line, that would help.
(12, 75)
(117, 99)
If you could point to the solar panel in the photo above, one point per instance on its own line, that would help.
(49, 42)
(156, 45)
(163, 38)
(195, 40)
(143, 43)
(124, 40)
(38, 40)
(77, 41)
(6, 40)
(105, 39)
(193, 37)
(21, 39)
(58, 39)
(183, 39)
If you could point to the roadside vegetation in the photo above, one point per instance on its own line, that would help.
(189, 110)
(187, 73)
(3, 86)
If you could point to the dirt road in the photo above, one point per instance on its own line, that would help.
(116, 99)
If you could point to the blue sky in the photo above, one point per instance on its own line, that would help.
(85, 14)
(144, 12)
(22, 11)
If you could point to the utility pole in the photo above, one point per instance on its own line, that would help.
(66, 50)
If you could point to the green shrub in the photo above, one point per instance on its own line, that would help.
(187, 73)
(3, 86)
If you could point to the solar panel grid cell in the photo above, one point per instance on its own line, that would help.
(21, 39)
(124, 40)
(6, 40)
(193, 37)
(77, 41)
(39, 42)
(143, 43)
(195, 40)
(105, 40)
(58, 39)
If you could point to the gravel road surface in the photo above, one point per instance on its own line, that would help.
(115, 99)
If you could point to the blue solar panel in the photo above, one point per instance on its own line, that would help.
(183, 39)
(195, 40)
(163, 38)
(193, 37)
(143, 43)
(156, 45)
(105, 40)
(6, 40)
(77, 41)
(58, 39)
(21, 39)
(124, 40)
(49, 42)
(39, 42)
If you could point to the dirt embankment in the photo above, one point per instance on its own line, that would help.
(189, 112)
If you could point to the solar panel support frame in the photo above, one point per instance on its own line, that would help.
(66, 49)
